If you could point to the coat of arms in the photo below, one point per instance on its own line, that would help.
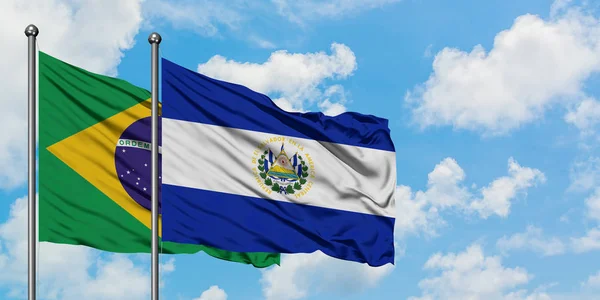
(282, 173)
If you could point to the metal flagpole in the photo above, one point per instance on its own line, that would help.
(31, 32)
(154, 39)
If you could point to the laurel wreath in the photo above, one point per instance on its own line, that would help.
(290, 189)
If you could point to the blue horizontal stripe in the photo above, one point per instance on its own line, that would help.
(247, 224)
(190, 96)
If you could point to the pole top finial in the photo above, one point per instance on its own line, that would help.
(31, 30)
(154, 38)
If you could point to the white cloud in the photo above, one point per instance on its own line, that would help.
(335, 100)
(164, 269)
(213, 293)
(286, 105)
(444, 188)
(589, 242)
(585, 174)
(523, 295)
(301, 11)
(559, 6)
(301, 273)
(295, 77)
(415, 214)
(68, 30)
(202, 16)
(117, 278)
(427, 53)
(217, 18)
(593, 282)
(532, 66)
(89, 276)
(261, 42)
(331, 109)
(585, 116)
(532, 239)
(167, 267)
(420, 211)
(592, 204)
(496, 197)
(471, 275)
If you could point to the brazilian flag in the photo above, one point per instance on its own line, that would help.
(94, 165)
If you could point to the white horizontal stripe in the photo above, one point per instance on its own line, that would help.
(220, 159)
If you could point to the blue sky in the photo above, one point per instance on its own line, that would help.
(493, 109)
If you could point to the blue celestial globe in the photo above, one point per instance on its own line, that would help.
(133, 162)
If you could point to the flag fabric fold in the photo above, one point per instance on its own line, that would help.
(94, 165)
(263, 179)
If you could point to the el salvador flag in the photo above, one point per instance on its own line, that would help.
(241, 174)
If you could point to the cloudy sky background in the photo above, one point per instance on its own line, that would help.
(494, 108)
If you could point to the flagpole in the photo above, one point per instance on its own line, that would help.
(31, 32)
(154, 39)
